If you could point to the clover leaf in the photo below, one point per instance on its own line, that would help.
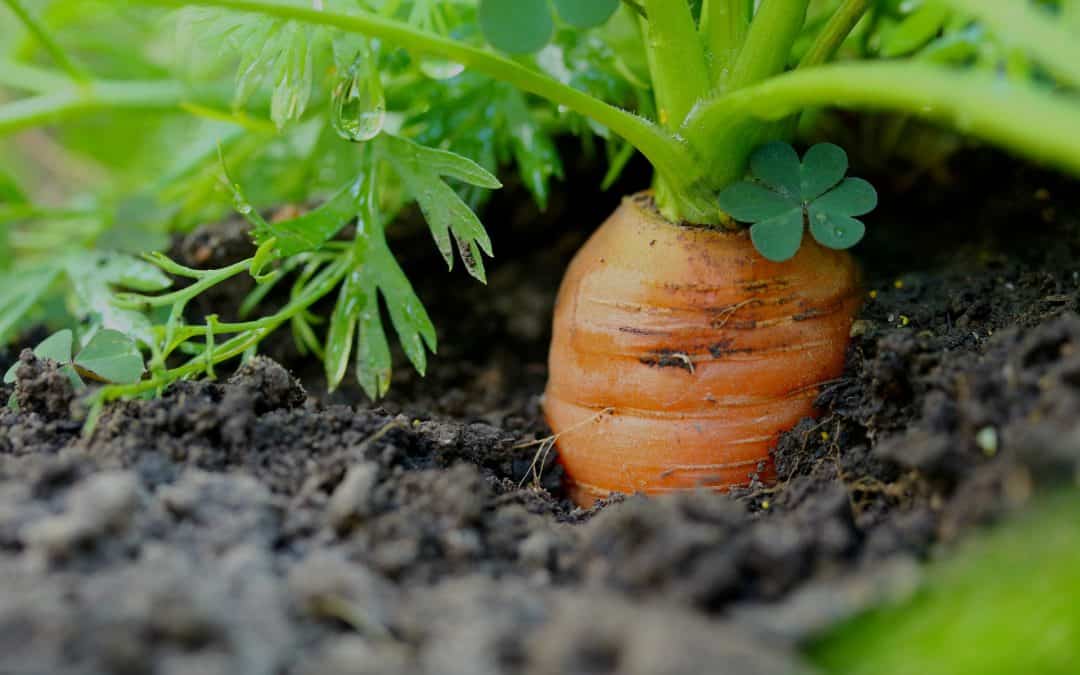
(785, 194)
(109, 356)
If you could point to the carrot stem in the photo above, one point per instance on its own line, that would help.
(725, 23)
(1025, 118)
(836, 30)
(1024, 25)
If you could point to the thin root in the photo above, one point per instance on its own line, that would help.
(536, 468)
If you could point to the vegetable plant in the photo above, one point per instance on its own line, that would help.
(698, 321)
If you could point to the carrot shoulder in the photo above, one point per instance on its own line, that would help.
(679, 354)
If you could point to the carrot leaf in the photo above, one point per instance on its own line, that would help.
(20, 292)
(422, 170)
(93, 278)
(313, 229)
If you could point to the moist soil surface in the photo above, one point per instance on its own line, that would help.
(257, 525)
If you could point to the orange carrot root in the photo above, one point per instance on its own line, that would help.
(703, 351)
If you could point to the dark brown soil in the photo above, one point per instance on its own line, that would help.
(246, 526)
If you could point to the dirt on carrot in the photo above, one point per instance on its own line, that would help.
(254, 525)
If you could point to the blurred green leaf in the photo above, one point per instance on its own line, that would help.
(586, 13)
(535, 153)
(1005, 603)
(292, 79)
(19, 292)
(516, 26)
(916, 30)
(10, 192)
(93, 276)
(56, 347)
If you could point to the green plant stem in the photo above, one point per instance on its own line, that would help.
(31, 79)
(1023, 25)
(773, 31)
(725, 23)
(1023, 118)
(10, 213)
(670, 157)
(680, 74)
(38, 30)
(836, 30)
(325, 282)
(680, 77)
(215, 277)
(764, 53)
(79, 99)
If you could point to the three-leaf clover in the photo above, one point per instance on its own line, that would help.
(784, 195)
(109, 356)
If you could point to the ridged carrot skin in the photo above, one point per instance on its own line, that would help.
(679, 354)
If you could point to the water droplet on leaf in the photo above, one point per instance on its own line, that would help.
(359, 104)
(242, 206)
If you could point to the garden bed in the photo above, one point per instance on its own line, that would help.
(256, 525)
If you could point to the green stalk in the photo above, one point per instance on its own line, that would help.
(1031, 29)
(825, 45)
(773, 31)
(680, 74)
(1024, 118)
(836, 30)
(668, 155)
(325, 282)
(38, 30)
(1070, 14)
(80, 99)
(765, 52)
(725, 23)
(31, 79)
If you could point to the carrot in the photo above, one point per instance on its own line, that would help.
(679, 354)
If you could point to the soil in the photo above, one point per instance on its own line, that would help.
(254, 526)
